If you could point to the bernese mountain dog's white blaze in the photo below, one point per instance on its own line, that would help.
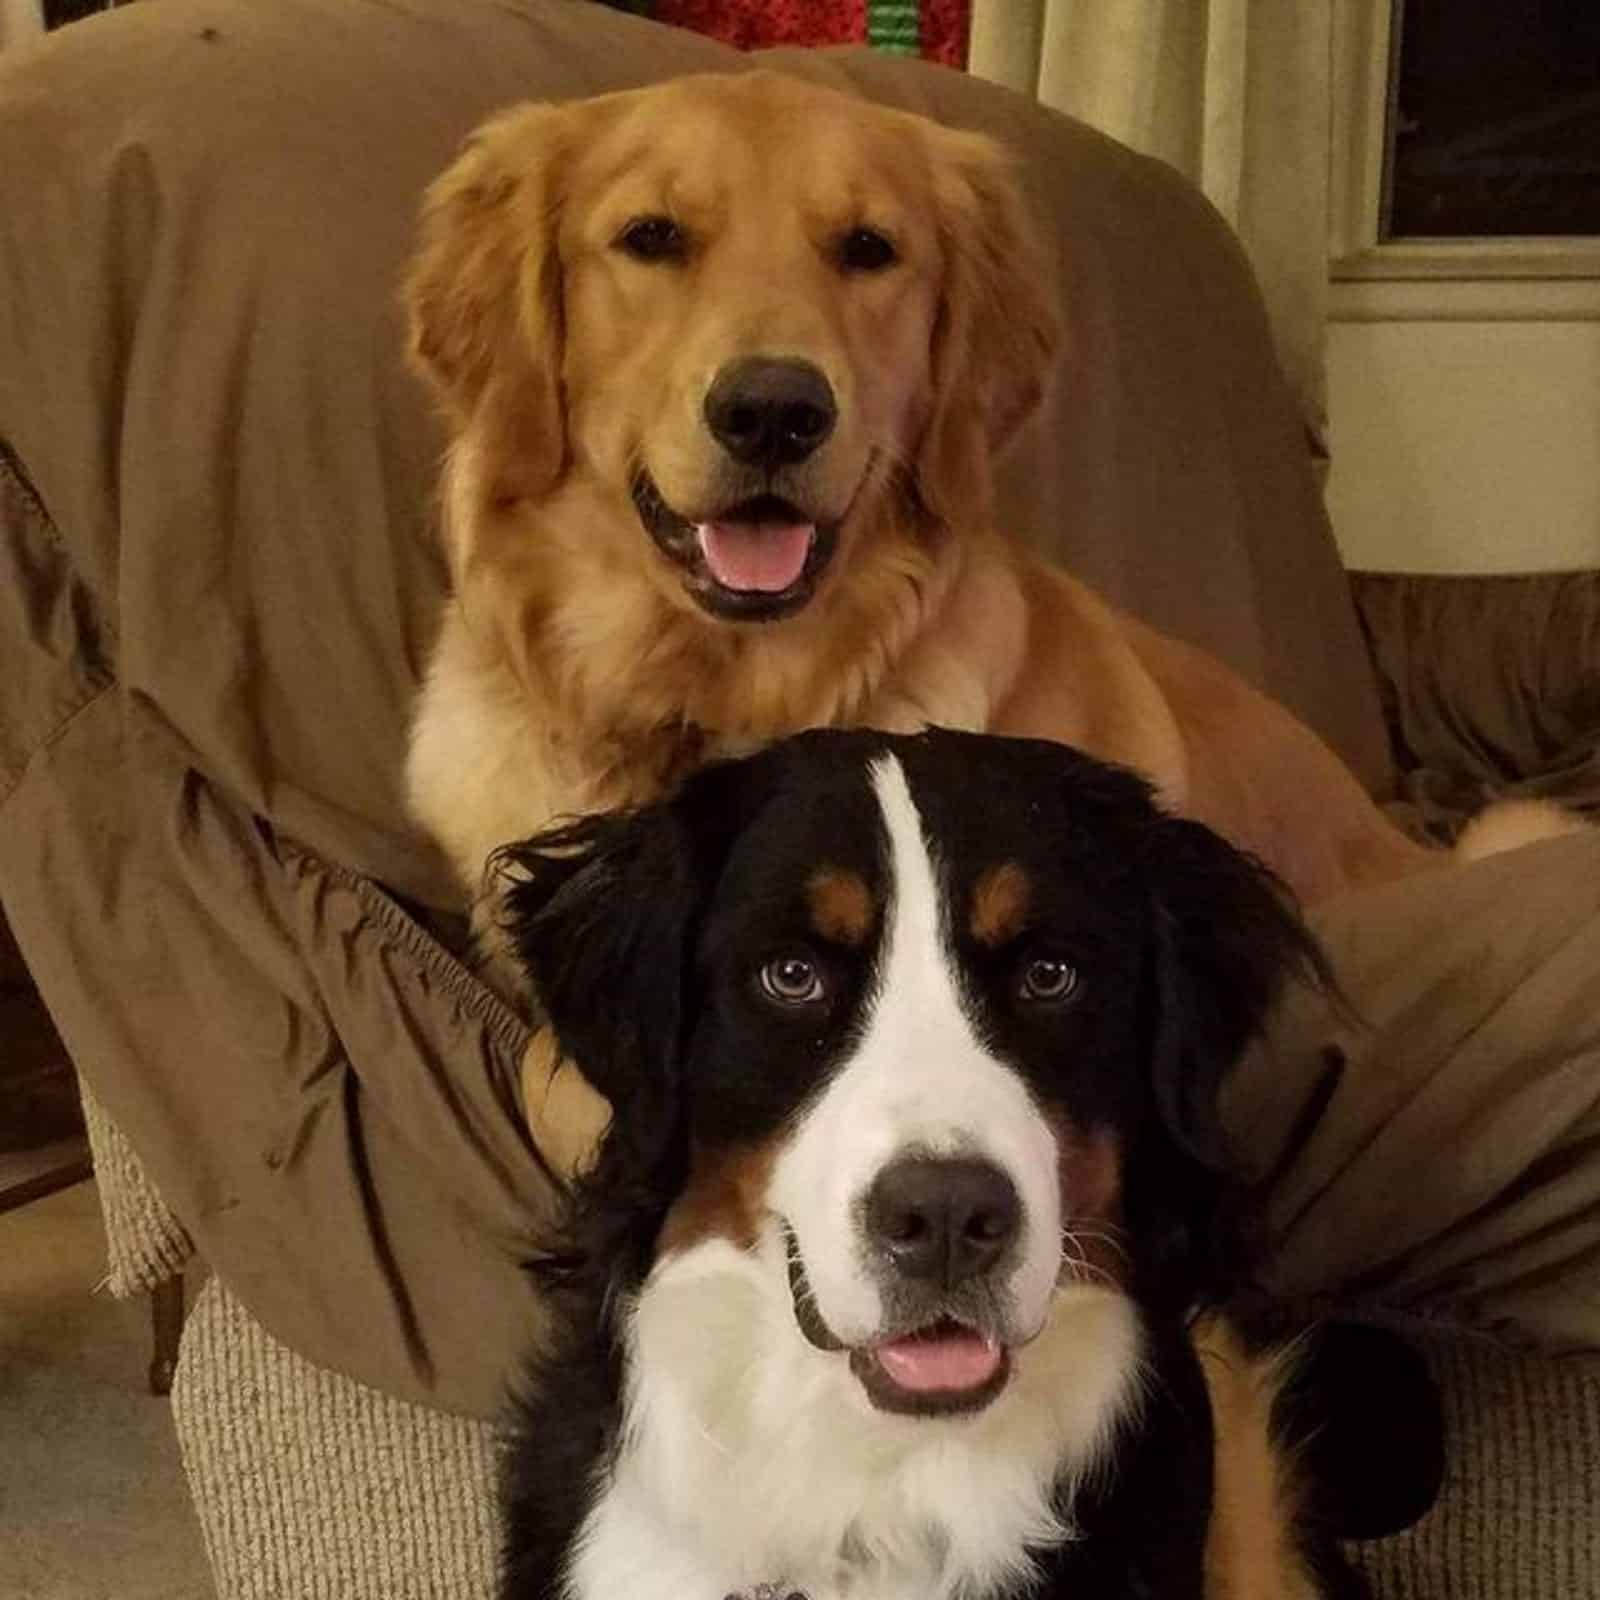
(880, 1281)
(963, 1126)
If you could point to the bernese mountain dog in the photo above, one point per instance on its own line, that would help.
(886, 1279)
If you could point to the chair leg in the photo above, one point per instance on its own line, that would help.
(166, 1321)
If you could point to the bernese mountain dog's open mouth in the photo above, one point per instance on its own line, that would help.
(757, 560)
(941, 1366)
(939, 1370)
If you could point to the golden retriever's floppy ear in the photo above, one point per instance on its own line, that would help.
(997, 330)
(483, 297)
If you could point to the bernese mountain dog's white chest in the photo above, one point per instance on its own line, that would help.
(750, 1458)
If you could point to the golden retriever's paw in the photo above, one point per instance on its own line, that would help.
(1510, 824)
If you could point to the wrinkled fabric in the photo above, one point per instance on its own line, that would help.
(1490, 688)
(322, 1093)
(1454, 1170)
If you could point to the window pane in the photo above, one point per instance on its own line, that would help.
(1496, 127)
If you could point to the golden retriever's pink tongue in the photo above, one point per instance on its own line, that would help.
(763, 557)
(953, 1361)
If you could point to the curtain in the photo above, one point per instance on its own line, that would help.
(20, 20)
(1236, 94)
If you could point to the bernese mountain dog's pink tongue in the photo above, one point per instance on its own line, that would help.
(757, 557)
(950, 1360)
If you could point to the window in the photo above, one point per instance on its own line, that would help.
(1494, 124)
(1466, 160)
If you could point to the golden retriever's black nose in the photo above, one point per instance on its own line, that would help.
(767, 413)
(943, 1218)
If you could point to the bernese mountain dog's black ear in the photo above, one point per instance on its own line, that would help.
(1227, 938)
(602, 912)
(599, 911)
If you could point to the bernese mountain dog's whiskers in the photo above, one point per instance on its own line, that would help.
(883, 1282)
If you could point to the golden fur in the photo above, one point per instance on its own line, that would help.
(576, 669)
(1251, 1548)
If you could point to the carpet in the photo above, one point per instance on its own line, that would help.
(92, 1499)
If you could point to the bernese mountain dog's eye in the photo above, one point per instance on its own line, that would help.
(792, 980)
(653, 239)
(866, 250)
(1047, 980)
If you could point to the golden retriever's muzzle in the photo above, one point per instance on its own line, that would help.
(756, 556)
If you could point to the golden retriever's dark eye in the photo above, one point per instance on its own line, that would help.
(866, 250)
(654, 239)
(792, 980)
(1047, 980)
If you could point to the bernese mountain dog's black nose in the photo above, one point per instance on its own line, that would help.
(943, 1219)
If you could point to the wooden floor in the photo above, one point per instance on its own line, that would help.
(27, 1175)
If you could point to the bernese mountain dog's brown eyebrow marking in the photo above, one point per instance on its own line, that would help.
(725, 1198)
(1001, 899)
(841, 905)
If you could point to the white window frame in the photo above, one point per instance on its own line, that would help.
(1468, 279)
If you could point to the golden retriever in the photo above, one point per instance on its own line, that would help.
(725, 364)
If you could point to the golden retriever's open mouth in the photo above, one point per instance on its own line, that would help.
(758, 560)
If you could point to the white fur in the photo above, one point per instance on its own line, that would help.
(748, 1456)
(751, 1457)
(1511, 824)
(919, 1079)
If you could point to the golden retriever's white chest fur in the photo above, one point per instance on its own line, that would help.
(493, 759)
(478, 767)
(490, 761)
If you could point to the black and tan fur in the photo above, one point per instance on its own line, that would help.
(994, 971)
